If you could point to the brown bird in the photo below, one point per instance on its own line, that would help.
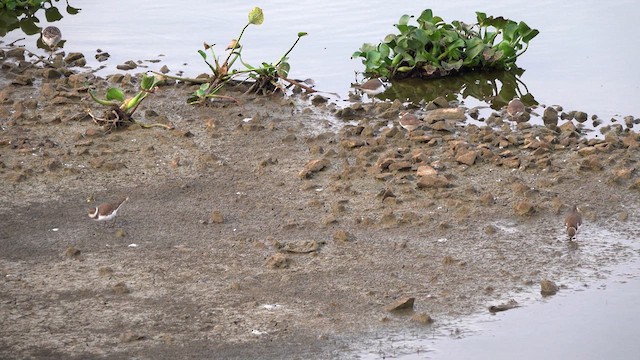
(106, 211)
(409, 121)
(515, 108)
(572, 222)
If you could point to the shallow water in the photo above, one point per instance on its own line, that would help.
(584, 58)
(593, 317)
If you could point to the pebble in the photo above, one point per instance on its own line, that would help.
(548, 287)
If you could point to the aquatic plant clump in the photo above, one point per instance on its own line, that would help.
(434, 48)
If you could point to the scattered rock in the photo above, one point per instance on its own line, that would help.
(216, 217)
(433, 182)
(524, 208)
(302, 246)
(278, 261)
(422, 318)
(72, 252)
(467, 158)
(343, 236)
(548, 287)
(313, 167)
(130, 336)
(511, 304)
(120, 288)
(128, 65)
(403, 303)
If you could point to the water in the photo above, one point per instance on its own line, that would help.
(597, 322)
(583, 59)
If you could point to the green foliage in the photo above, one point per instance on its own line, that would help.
(434, 48)
(266, 77)
(22, 14)
(121, 109)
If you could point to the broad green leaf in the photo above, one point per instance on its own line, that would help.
(71, 10)
(115, 94)
(52, 14)
(530, 35)
(283, 69)
(256, 17)
(302, 33)
(28, 26)
(405, 68)
(404, 20)
(203, 54)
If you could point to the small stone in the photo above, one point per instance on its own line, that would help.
(548, 287)
(72, 252)
(550, 116)
(105, 271)
(130, 336)
(216, 217)
(120, 288)
(343, 236)
(524, 208)
(490, 230)
(403, 303)
(580, 116)
(164, 69)
(120, 233)
(432, 182)
(313, 167)
(278, 261)
(467, 158)
(422, 318)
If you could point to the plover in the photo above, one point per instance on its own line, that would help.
(371, 87)
(106, 211)
(572, 221)
(51, 36)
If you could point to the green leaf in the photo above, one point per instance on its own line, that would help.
(283, 69)
(302, 33)
(115, 94)
(71, 10)
(404, 20)
(203, 54)
(256, 17)
(52, 14)
(147, 82)
(530, 35)
(28, 26)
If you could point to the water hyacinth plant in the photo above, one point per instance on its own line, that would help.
(434, 48)
(266, 77)
(121, 109)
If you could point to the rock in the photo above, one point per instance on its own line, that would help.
(568, 127)
(75, 59)
(467, 158)
(422, 318)
(343, 236)
(550, 116)
(128, 65)
(278, 261)
(426, 170)
(72, 252)
(433, 182)
(216, 217)
(120, 233)
(490, 230)
(403, 303)
(580, 116)
(53, 164)
(487, 199)
(548, 287)
(400, 165)
(302, 246)
(524, 208)
(511, 304)
(120, 288)
(164, 69)
(130, 336)
(313, 167)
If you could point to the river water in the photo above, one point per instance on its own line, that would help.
(583, 59)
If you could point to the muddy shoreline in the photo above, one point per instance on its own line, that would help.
(261, 231)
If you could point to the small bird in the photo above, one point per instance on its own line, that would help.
(572, 221)
(371, 87)
(409, 121)
(515, 108)
(106, 211)
(51, 36)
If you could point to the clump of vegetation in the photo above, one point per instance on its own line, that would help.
(121, 109)
(22, 14)
(434, 48)
(267, 77)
